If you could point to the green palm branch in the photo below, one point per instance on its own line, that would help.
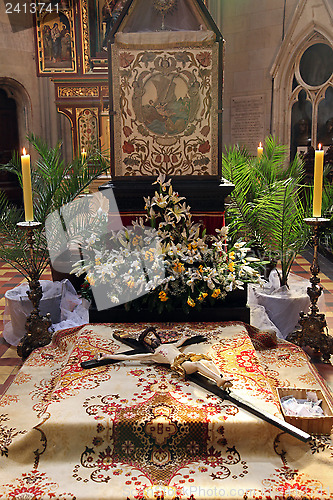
(241, 213)
(266, 205)
(54, 185)
(281, 221)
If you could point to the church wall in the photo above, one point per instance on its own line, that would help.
(253, 31)
(262, 42)
(34, 96)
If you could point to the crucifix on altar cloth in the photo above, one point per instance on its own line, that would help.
(198, 368)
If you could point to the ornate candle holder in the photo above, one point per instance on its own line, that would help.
(314, 324)
(37, 326)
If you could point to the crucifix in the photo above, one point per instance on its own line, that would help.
(198, 368)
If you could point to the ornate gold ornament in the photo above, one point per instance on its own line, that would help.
(37, 326)
(85, 36)
(164, 7)
(78, 92)
(314, 324)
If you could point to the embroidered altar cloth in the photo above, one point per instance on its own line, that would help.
(138, 431)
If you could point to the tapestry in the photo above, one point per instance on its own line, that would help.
(165, 105)
(136, 430)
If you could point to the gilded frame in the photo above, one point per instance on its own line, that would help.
(56, 42)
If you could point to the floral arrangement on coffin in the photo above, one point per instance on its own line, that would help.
(171, 263)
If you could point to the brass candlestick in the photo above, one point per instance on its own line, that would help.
(37, 326)
(314, 324)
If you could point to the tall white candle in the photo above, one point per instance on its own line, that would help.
(27, 190)
(318, 181)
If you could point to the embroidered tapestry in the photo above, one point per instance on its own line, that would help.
(165, 104)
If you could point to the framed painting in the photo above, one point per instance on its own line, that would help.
(56, 45)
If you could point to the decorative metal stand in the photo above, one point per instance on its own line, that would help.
(37, 326)
(314, 324)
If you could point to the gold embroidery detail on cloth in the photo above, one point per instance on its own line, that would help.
(181, 358)
(161, 427)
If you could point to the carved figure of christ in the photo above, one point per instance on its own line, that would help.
(170, 354)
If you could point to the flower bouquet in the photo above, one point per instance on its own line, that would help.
(165, 261)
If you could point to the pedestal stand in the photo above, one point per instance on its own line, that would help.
(314, 324)
(37, 326)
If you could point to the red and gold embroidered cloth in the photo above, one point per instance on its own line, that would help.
(137, 431)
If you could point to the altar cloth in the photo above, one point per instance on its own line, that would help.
(138, 431)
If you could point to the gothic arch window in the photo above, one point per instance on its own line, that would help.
(311, 101)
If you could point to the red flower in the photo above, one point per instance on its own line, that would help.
(204, 147)
(125, 59)
(127, 131)
(205, 130)
(128, 147)
(204, 58)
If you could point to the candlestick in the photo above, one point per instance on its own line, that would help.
(260, 151)
(318, 181)
(37, 326)
(27, 190)
(314, 324)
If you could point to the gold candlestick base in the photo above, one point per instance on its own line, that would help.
(314, 324)
(37, 326)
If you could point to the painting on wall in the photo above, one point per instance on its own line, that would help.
(56, 40)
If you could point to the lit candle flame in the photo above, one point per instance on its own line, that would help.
(319, 146)
(24, 152)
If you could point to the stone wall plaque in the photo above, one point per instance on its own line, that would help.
(247, 122)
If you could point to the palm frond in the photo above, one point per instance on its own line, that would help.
(54, 184)
(266, 205)
(13, 166)
(282, 226)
